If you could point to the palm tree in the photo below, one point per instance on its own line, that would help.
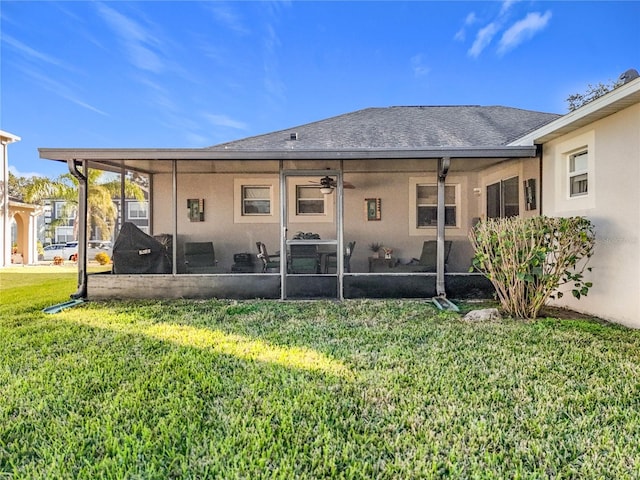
(101, 211)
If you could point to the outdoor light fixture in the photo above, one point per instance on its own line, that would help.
(327, 190)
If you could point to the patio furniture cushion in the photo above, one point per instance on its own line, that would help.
(304, 259)
(200, 257)
(428, 258)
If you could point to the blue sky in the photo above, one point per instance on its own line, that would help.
(193, 74)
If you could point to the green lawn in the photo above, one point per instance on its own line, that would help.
(267, 389)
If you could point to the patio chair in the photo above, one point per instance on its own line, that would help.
(428, 259)
(332, 259)
(304, 259)
(268, 263)
(200, 257)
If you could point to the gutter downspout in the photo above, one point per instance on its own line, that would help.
(443, 169)
(82, 228)
(540, 154)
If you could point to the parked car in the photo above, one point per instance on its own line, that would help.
(98, 246)
(64, 250)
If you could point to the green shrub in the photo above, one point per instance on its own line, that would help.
(102, 258)
(529, 259)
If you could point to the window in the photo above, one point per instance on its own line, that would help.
(427, 206)
(64, 210)
(503, 199)
(578, 177)
(137, 210)
(64, 234)
(309, 200)
(256, 200)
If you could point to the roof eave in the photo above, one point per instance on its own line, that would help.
(166, 154)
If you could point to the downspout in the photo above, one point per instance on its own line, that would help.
(443, 169)
(82, 228)
(539, 153)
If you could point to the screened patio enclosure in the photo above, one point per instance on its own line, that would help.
(318, 234)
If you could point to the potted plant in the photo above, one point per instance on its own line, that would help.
(375, 248)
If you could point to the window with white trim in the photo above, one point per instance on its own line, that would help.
(63, 234)
(309, 200)
(578, 176)
(427, 206)
(137, 210)
(256, 199)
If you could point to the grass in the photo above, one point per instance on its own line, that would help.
(267, 389)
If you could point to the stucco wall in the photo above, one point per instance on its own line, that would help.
(394, 230)
(612, 204)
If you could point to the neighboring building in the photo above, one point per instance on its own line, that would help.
(24, 231)
(5, 215)
(420, 174)
(59, 218)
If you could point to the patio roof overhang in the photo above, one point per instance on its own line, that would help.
(155, 160)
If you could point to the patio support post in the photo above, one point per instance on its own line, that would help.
(174, 216)
(283, 232)
(340, 233)
(443, 169)
(82, 227)
(122, 203)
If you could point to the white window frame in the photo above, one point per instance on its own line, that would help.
(318, 198)
(132, 203)
(293, 182)
(244, 200)
(452, 181)
(63, 234)
(572, 173)
(271, 182)
(435, 205)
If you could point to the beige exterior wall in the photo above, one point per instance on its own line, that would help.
(612, 204)
(391, 181)
(5, 216)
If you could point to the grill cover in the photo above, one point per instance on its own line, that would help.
(136, 252)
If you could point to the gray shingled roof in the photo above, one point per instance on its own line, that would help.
(403, 128)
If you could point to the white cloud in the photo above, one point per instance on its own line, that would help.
(483, 39)
(523, 30)
(471, 18)
(138, 42)
(64, 90)
(225, 121)
(32, 53)
(506, 5)
(461, 34)
(418, 66)
(18, 173)
(228, 18)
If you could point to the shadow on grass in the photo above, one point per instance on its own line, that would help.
(213, 340)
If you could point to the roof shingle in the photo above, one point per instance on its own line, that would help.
(411, 127)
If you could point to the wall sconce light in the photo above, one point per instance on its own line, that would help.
(477, 191)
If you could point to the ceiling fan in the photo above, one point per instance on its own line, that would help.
(327, 184)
